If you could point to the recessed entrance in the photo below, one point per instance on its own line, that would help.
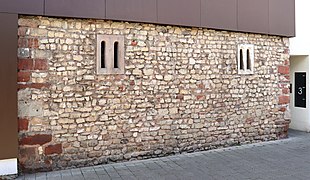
(299, 95)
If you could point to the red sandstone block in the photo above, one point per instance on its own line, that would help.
(285, 90)
(40, 64)
(200, 97)
(122, 88)
(22, 31)
(25, 64)
(201, 86)
(39, 139)
(22, 43)
(284, 69)
(180, 96)
(53, 149)
(33, 85)
(23, 124)
(23, 76)
(132, 83)
(282, 109)
(284, 99)
(33, 43)
(28, 42)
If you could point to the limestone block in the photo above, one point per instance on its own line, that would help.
(27, 108)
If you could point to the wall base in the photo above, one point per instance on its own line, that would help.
(8, 167)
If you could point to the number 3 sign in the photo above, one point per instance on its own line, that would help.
(300, 89)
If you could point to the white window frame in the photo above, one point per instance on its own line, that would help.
(109, 68)
(244, 52)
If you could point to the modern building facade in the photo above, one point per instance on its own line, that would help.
(299, 60)
(115, 80)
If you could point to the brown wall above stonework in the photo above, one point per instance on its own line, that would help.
(275, 17)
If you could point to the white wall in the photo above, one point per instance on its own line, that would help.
(300, 45)
(299, 116)
(299, 62)
(8, 167)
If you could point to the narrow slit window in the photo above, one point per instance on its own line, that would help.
(115, 54)
(102, 61)
(241, 60)
(248, 59)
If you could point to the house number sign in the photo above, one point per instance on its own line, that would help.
(300, 89)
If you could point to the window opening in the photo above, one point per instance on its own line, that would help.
(241, 60)
(248, 59)
(115, 54)
(103, 55)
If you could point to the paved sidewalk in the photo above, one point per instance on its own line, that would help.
(284, 159)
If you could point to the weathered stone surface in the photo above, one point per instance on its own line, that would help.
(30, 109)
(180, 92)
(23, 52)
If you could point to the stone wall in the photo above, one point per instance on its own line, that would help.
(180, 92)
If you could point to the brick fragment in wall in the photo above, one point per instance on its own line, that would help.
(23, 124)
(28, 43)
(180, 91)
(23, 76)
(284, 69)
(284, 99)
(53, 149)
(40, 64)
(33, 86)
(25, 64)
(38, 139)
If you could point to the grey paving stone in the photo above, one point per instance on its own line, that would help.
(125, 173)
(54, 174)
(101, 172)
(20, 177)
(29, 176)
(54, 178)
(78, 177)
(76, 172)
(67, 177)
(41, 178)
(105, 177)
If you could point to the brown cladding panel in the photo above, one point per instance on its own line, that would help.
(75, 8)
(282, 17)
(219, 14)
(8, 90)
(179, 12)
(22, 6)
(133, 10)
(253, 16)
